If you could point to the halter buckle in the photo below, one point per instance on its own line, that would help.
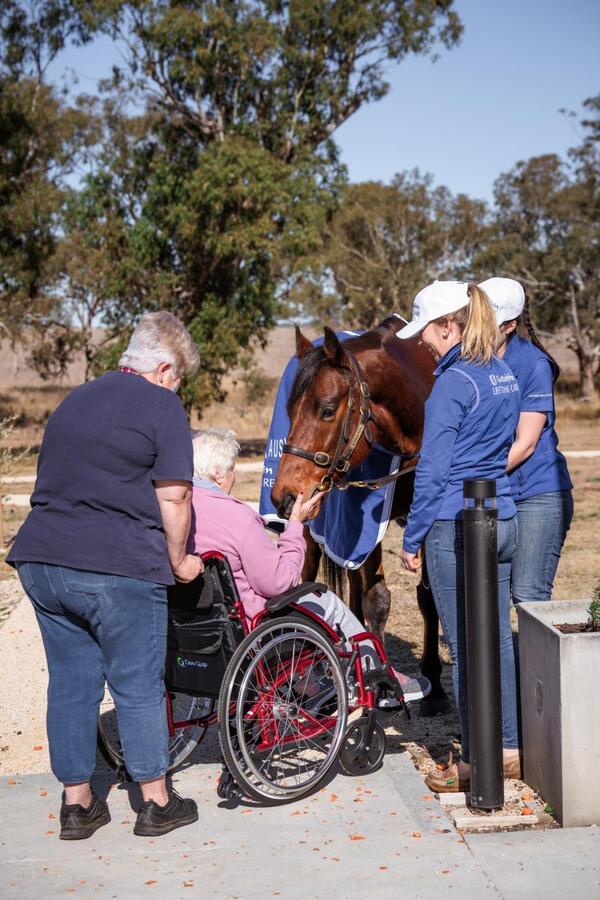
(322, 459)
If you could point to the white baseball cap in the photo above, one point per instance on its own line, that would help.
(438, 299)
(506, 296)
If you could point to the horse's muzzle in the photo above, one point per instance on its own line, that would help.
(284, 507)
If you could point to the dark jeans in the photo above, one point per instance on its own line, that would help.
(445, 565)
(101, 628)
(543, 525)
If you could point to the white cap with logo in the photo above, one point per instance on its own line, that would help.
(438, 299)
(506, 296)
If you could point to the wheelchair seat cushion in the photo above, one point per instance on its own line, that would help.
(295, 594)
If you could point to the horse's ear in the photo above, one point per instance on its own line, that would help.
(333, 348)
(303, 345)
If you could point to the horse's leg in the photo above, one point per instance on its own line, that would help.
(355, 593)
(431, 665)
(377, 599)
(310, 569)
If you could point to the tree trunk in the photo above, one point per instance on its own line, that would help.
(587, 370)
(582, 342)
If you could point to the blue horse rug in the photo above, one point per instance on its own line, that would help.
(351, 523)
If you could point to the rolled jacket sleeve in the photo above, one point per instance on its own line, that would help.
(451, 399)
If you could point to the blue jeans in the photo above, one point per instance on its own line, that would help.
(543, 525)
(445, 565)
(99, 628)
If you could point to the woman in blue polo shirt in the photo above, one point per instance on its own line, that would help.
(539, 478)
(470, 418)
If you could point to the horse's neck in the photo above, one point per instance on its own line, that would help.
(399, 381)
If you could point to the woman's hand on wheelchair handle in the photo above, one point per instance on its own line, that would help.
(302, 511)
(190, 567)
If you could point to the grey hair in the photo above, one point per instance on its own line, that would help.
(215, 450)
(159, 337)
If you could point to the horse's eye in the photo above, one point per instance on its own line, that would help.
(328, 413)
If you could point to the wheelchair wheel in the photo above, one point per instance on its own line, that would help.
(363, 749)
(283, 709)
(181, 745)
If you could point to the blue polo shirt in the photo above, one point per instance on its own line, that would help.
(545, 471)
(94, 505)
(470, 421)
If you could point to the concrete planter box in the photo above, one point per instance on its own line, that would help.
(560, 700)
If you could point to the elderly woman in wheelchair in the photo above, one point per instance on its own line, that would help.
(285, 663)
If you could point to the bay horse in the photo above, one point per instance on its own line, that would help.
(330, 432)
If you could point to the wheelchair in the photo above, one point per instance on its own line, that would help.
(281, 690)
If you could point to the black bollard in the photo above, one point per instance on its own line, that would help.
(480, 518)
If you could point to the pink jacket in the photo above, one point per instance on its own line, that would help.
(261, 568)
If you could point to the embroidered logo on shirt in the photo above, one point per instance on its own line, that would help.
(504, 384)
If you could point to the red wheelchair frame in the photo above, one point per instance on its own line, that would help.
(366, 698)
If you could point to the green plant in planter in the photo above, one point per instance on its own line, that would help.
(594, 610)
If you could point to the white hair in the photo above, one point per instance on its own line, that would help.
(160, 337)
(215, 450)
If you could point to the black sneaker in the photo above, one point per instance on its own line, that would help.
(154, 820)
(78, 823)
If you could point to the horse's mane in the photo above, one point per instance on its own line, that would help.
(312, 361)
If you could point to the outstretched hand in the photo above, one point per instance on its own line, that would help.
(302, 511)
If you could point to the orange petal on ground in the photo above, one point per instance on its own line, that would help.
(11, 781)
(357, 837)
(527, 797)
(526, 811)
(43, 793)
(417, 834)
(38, 747)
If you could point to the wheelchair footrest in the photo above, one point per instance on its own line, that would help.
(381, 678)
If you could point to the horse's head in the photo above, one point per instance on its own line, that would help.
(325, 408)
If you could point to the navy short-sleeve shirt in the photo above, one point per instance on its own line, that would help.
(545, 471)
(94, 505)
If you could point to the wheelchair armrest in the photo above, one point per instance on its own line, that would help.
(274, 604)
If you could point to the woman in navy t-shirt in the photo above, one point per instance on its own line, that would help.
(470, 418)
(106, 533)
(539, 478)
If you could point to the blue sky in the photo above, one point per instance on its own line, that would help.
(480, 108)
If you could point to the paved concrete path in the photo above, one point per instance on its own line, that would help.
(381, 836)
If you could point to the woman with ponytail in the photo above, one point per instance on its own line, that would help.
(470, 420)
(539, 478)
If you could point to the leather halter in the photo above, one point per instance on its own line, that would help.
(347, 443)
